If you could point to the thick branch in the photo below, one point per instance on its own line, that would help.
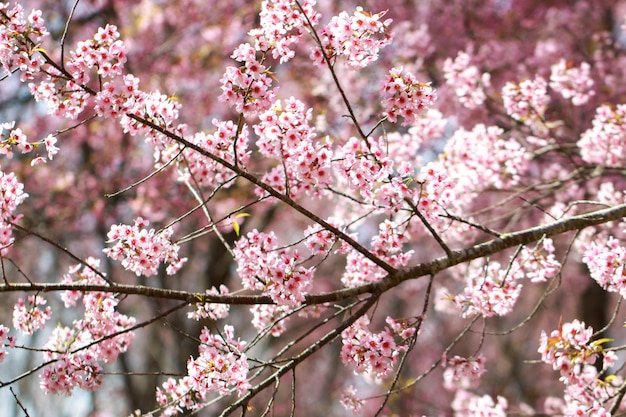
(481, 250)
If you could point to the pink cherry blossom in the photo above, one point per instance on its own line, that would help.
(573, 83)
(359, 38)
(141, 250)
(404, 96)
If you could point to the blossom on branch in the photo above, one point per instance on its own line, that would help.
(264, 266)
(221, 367)
(404, 96)
(20, 37)
(282, 24)
(141, 250)
(573, 83)
(359, 38)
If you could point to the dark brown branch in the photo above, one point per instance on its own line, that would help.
(508, 240)
(291, 364)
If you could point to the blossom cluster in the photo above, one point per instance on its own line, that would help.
(404, 96)
(141, 250)
(359, 38)
(5, 341)
(571, 351)
(75, 353)
(606, 261)
(247, 88)
(11, 196)
(526, 101)
(225, 143)
(435, 192)
(491, 290)
(28, 317)
(538, 264)
(320, 241)
(282, 23)
(372, 353)
(263, 266)
(573, 83)
(270, 317)
(350, 401)
(388, 245)
(463, 373)
(466, 404)
(483, 158)
(284, 134)
(16, 139)
(221, 366)
(604, 143)
(468, 83)
(65, 92)
(363, 166)
(20, 36)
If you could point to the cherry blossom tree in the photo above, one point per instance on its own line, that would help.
(304, 208)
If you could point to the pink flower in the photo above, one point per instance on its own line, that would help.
(404, 96)
(468, 83)
(142, 251)
(263, 266)
(359, 38)
(28, 317)
(573, 83)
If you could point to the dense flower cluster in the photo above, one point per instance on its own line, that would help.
(263, 266)
(489, 291)
(285, 135)
(282, 24)
(386, 245)
(20, 36)
(573, 83)
(100, 336)
(404, 96)
(11, 195)
(359, 38)
(439, 174)
(270, 317)
(484, 157)
(141, 250)
(538, 264)
(28, 317)
(225, 143)
(493, 289)
(370, 353)
(247, 88)
(466, 404)
(221, 366)
(606, 263)
(570, 350)
(468, 83)
(526, 101)
(64, 92)
(463, 373)
(363, 166)
(320, 241)
(435, 192)
(604, 143)
(5, 341)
